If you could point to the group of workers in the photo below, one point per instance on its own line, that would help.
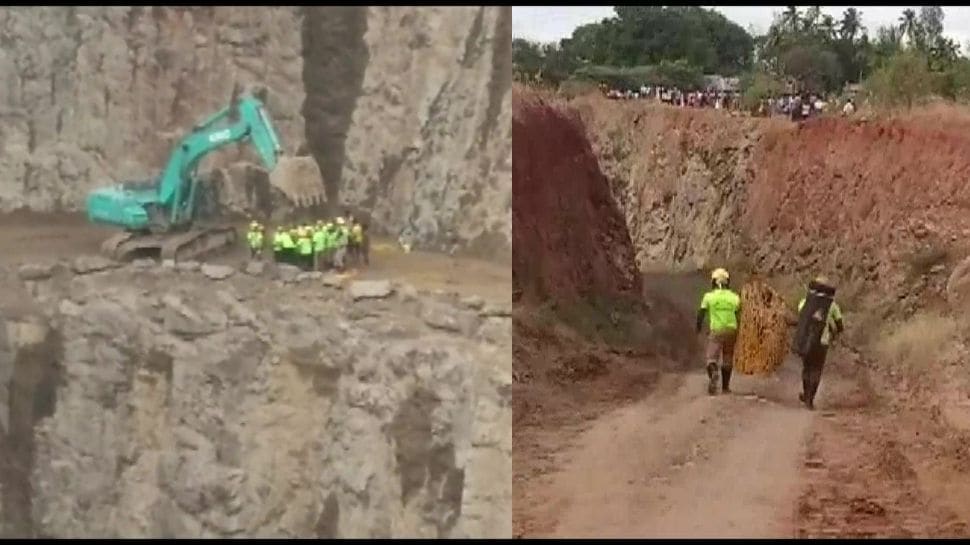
(820, 321)
(313, 246)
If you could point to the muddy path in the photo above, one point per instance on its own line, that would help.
(28, 237)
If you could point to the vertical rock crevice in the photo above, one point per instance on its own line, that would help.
(335, 57)
(31, 397)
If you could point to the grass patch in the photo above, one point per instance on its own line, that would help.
(919, 343)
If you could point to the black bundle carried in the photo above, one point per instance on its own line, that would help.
(812, 318)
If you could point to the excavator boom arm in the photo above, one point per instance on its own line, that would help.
(244, 121)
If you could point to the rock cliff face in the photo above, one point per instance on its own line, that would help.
(96, 95)
(700, 188)
(407, 110)
(177, 405)
(428, 144)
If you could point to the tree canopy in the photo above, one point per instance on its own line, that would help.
(803, 48)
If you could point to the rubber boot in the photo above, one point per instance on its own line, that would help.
(712, 375)
(726, 379)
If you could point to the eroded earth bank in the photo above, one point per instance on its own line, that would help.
(614, 433)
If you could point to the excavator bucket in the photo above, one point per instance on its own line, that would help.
(299, 178)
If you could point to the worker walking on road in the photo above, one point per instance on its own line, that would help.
(723, 308)
(255, 239)
(818, 326)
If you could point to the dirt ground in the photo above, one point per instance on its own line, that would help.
(26, 237)
(664, 459)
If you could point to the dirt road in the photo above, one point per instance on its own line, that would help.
(753, 463)
(680, 464)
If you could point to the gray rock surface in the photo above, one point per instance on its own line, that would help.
(188, 266)
(287, 272)
(192, 410)
(91, 263)
(36, 271)
(217, 272)
(371, 289)
(99, 94)
(255, 268)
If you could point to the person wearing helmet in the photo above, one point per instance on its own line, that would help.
(304, 246)
(254, 237)
(319, 245)
(289, 245)
(340, 243)
(278, 234)
(812, 344)
(723, 309)
(355, 244)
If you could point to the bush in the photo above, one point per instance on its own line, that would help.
(758, 86)
(573, 87)
(915, 345)
(954, 82)
(904, 80)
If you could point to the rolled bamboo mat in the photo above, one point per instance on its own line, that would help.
(763, 335)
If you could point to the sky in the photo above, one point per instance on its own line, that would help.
(550, 23)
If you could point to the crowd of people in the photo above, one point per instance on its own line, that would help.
(707, 98)
(793, 105)
(313, 246)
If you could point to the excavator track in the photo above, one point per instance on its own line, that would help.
(184, 246)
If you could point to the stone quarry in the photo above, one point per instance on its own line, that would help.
(244, 399)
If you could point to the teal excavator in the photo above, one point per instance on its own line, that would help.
(159, 216)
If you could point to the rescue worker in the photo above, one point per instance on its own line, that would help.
(319, 245)
(340, 243)
(723, 308)
(288, 243)
(278, 245)
(355, 244)
(255, 239)
(814, 360)
(304, 246)
(364, 243)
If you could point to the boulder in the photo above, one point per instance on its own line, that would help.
(370, 289)
(217, 272)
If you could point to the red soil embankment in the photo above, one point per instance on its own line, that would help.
(849, 188)
(569, 238)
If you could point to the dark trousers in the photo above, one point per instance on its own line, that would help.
(812, 365)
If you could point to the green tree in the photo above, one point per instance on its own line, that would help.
(526, 59)
(647, 35)
(815, 68)
(850, 25)
(904, 80)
